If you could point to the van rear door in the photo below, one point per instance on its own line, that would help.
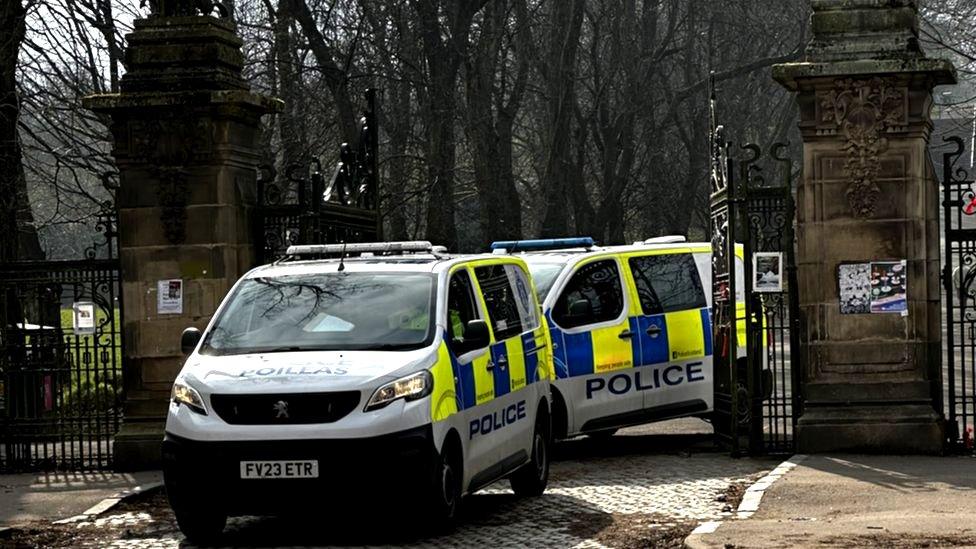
(674, 333)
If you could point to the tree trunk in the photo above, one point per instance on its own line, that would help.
(291, 121)
(336, 78)
(19, 238)
(566, 21)
(490, 119)
(443, 57)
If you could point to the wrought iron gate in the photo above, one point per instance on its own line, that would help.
(61, 386)
(959, 295)
(300, 208)
(757, 396)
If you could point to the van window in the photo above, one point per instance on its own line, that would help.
(325, 311)
(592, 295)
(528, 307)
(544, 275)
(461, 308)
(667, 283)
(500, 300)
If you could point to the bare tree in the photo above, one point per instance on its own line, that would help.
(559, 74)
(444, 48)
(18, 237)
(496, 76)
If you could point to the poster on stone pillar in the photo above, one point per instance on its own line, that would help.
(888, 287)
(855, 288)
(169, 297)
(878, 287)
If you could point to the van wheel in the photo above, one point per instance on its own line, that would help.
(200, 526)
(445, 496)
(201, 522)
(602, 435)
(531, 479)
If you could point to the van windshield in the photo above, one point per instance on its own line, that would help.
(325, 311)
(544, 275)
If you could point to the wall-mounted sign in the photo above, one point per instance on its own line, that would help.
(169, 297)
(83, 317)
(889, 292)
(855, 288)
(878, 287)
(767, 271)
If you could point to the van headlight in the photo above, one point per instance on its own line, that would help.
(184, 394)
(411, 387)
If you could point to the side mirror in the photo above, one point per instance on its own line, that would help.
(580, 308)
(189, 339)
(476, 335)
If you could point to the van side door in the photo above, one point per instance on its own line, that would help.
(517, 341)
(473, 382)
(594, 346)
(674, 334)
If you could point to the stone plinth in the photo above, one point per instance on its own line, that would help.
(871, 382)
(185, 131)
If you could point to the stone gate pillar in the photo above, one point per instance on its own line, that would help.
(185, 130)
(871, 380)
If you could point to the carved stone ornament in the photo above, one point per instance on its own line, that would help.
(863, 110)
(171, 194)
(168, 146)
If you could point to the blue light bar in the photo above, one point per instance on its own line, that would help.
(543, 244)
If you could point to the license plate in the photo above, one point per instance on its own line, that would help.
(308, 468)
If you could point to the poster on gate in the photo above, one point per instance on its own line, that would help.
(767, 269)
(83, 317)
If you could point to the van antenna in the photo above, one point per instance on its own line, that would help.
(342, 257)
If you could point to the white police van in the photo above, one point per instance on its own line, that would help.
(631, 329)
(370, 374)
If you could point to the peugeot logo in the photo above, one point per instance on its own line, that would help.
(281, 409)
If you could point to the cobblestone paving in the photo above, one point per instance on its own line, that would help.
(593, 487)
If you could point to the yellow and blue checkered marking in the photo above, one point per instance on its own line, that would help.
(474, 384)
(681, 335)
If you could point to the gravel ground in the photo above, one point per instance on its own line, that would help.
(639, 489)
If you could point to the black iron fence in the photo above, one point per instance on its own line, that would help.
(754, 302)
(959, 297)
(300, 207)
(61, 360)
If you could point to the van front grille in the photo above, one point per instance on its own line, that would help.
(284, 409)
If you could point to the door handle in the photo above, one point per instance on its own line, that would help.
(653, 330)
(626, 334)
(490, 366)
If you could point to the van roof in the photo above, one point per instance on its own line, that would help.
(418, 263)
(560, 256)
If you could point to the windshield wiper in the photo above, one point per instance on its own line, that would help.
(285, 349)
(388, 347)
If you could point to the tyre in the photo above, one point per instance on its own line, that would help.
(445, 493)
(602, 435)
(531, 479)
(201, 523)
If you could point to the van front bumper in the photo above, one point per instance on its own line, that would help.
(389, 468)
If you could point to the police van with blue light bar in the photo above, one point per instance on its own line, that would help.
(379, 373)
(631, 329)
